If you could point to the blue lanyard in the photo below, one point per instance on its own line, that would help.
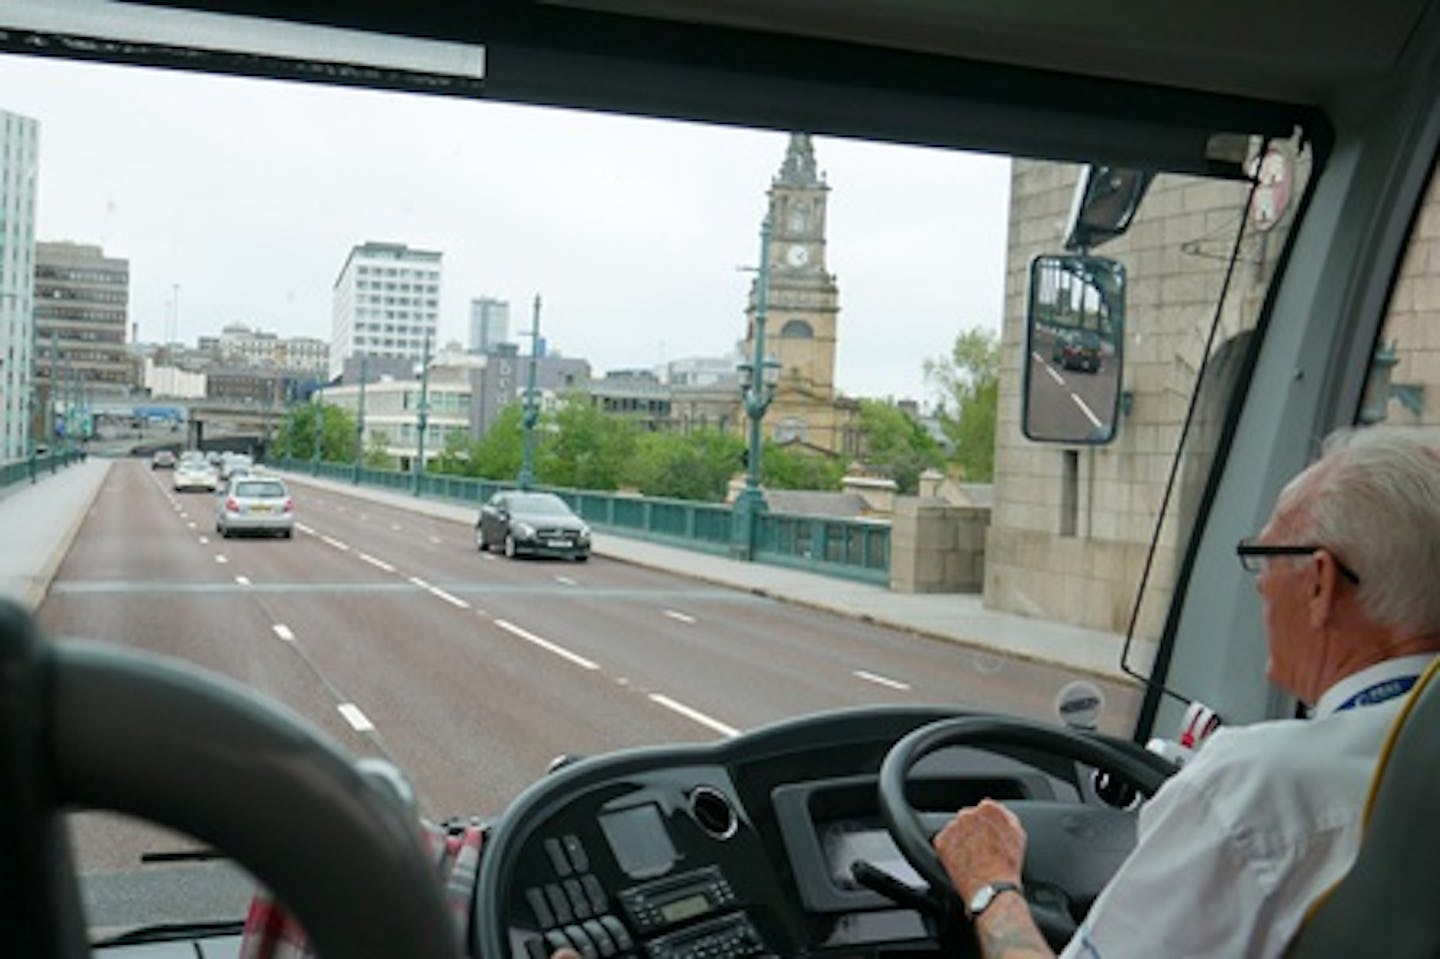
(1380, 692)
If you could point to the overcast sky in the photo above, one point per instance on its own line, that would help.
(248, 195)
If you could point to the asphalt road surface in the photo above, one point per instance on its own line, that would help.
(393, 634)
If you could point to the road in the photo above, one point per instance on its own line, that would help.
(390, 632)
(1068, 404)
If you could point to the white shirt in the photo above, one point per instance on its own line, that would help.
(1232, 850)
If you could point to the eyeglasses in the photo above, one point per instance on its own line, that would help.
(1253, 556)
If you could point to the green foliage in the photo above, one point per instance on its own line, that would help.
(897, 444)
(583, 447)
(786, 467)
(694, 466)
(454, 459)
(497, 454)
(377, 453)
(334, 426)
(969, 385)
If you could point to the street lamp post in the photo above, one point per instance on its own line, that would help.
(317, 433)
(532, 411)
(424, 414)
(757, 389)
(360, 417)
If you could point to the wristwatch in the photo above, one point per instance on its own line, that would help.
(986, 894)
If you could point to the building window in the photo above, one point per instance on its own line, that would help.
(796, 330)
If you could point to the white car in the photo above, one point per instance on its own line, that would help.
(193, 472)
(256, 504)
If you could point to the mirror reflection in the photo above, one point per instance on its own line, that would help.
(1075, 320)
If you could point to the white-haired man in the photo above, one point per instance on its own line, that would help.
(1234, 848)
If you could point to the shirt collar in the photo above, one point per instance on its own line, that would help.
(1412, 665)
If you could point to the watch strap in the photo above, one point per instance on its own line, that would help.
(986, 895)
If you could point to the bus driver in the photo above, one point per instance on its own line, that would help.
(1234, 848)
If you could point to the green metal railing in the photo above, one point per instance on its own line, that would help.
(30, 470)
(851, 548)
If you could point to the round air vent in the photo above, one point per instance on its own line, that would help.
(712, 810)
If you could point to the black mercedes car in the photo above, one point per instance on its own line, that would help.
(536, 524)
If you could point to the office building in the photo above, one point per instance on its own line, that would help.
(19, 149)
(489, 324)
(386, 303)
(82, 302)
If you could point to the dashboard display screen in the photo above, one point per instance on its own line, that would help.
(639, 840)
(682, 909)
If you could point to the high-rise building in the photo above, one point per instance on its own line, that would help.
(82, 301)
(386, 302)
(489, 324)
(19, 148)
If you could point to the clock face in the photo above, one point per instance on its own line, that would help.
(797, 256)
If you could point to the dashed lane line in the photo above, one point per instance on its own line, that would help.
(355, 717)
(546, 645)
(377, 563)
(283, 632)
(332, 541)
(243, 580)
(220, 558)
(694, 714)
(880, 680)
(681, 617)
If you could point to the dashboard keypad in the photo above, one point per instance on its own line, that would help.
(574, 910)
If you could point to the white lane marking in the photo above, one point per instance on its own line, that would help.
(490, 556)
(452, 600)
(680, 616)
(243, 580)
(694, 714)
(204, 541)
(283, 632)
(545, 644)
(434, 539)
(220, 558)
(378, 563)
(1095, 420)
(1059, 380)
(564, 581)
(355, 717)
(881, 680)
(190, 525)
(304, 529)
(332, 541)
(419, 582)
(395, 527)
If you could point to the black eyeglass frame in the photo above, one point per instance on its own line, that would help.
(1250, 552)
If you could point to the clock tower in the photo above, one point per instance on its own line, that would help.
(802, 306)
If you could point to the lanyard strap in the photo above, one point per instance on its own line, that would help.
(1379, 693)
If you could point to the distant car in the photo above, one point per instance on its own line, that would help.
(192, 472)
(256, 504)
(231, 462)
(534, 524)
(163, 460)
(1078, 350)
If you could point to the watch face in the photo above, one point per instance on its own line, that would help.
(797, 256)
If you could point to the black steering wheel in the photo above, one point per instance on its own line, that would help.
(1073, 849)
(83, 726)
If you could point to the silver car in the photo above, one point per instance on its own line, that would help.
(192, 472)
(256, 504)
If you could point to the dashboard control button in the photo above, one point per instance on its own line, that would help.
(535, 948)
(580, 941)
(618, 932)
(536, 897)
(595, 893)
(558, 903)
(579, 904)
(558, 859)
(600, 937)
(576, 852)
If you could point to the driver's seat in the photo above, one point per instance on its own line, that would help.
(1386, 904)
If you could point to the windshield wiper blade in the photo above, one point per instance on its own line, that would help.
(171, 931)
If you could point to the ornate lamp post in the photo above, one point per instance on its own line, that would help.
(360, 417)
(532, 409)
(757, 389)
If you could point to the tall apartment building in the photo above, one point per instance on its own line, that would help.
(19, 148)
(489, 324)
(82, 300)
(386, 302)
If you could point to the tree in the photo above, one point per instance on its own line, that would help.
(898, 444)
(584, 447)
(969, 384)
(377, 452)
(786, 467)
(694, 466)
(497, 454)
(334, 426)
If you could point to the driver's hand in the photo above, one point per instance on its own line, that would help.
(564, 954)
(982, 844)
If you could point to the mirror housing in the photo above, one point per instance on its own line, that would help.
(1074, 357)
(1106, 198)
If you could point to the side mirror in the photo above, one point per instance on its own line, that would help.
(1074, 334)
(1106, 198)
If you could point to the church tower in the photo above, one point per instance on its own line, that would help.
(802, 306)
